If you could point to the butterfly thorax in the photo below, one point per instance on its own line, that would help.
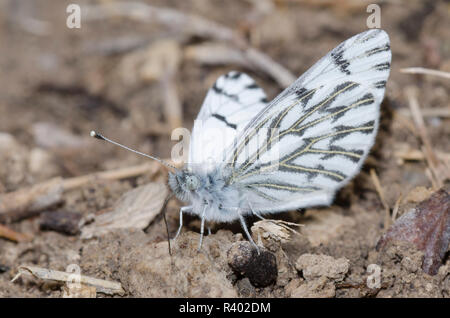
(205, 189)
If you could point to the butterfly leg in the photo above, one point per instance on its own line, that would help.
(244, 226)
(254, 212)
(183, 209)
(202, 228)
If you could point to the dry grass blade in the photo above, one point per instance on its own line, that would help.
(378, 187)
(439, 172)
(443, 112)
(426, 71)
(118, 174)
(403, 152)
(396, 207)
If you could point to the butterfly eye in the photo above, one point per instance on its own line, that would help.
(192, 183)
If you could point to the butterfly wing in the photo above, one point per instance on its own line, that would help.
(314, 137)
(229, 105)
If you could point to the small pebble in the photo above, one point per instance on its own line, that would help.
(426, 227)
(61, 221)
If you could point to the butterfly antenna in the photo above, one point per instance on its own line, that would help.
(101, 137)
(165, 221)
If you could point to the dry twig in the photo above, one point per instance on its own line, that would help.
(101, 286)
(405, 153)
(443, 112)
(30, 201)
(12, 235)
(194, 25)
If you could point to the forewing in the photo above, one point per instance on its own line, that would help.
(313, 138)
(230, 104)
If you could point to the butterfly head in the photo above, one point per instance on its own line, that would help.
(183, 183)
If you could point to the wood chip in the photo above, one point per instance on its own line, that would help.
(135, 209)
(62, 221)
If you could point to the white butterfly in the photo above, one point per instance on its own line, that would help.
(293, 152)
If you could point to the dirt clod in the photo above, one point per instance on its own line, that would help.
(314, 266)
(146, 269)
(260, 268)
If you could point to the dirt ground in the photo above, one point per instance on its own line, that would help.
(57, 84)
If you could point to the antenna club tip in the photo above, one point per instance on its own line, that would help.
(94, 134)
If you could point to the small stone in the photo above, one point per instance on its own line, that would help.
(3, 268)
(260, 269)
(61, 221)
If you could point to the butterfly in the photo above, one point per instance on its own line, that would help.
(249, 156)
